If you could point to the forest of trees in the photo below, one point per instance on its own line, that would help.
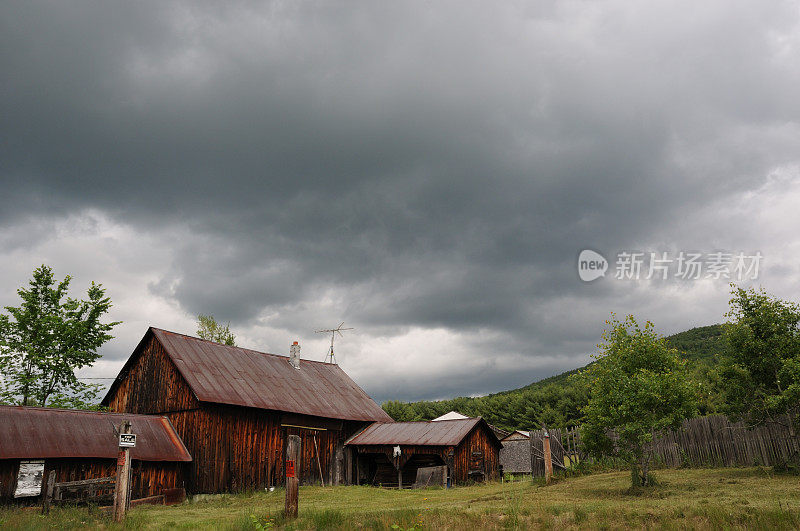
(556, 401)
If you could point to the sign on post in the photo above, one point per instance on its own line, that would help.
(127, 440)
(29, 478)
(292, 481)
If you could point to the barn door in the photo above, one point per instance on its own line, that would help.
(313, 443)
(477, 465)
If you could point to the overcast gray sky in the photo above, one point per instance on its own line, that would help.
(426, 172)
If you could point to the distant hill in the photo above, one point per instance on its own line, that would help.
(556, 400)
(697, 344)
(700, 344)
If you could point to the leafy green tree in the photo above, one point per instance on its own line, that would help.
(760, 373)
(638, 388)
(399, 411)
(45, 339)
(208, 328)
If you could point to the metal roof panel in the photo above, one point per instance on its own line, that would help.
(232, 375)
(32, 432)
(439, 433)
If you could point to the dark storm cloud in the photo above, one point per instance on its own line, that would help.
(436, 165)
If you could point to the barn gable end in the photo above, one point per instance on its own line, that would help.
(478, 452)
(150, 383)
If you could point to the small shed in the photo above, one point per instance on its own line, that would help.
(83, 445)
(389, 454)
(515, 456)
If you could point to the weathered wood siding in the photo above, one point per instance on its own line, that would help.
(149, 478)
(232, 452)
(233, 448)
(478, 441)
(153, 384)
(236, 448)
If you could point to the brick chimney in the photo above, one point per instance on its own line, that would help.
(294, 355)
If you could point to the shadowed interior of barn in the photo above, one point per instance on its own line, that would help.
(389, 454)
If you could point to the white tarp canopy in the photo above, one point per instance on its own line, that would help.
(452, 415)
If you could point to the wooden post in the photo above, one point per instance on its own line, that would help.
(121, 490)
(338, 470)
(48, 492)
(348, 465)
(451, 467)
(399, 474)
(292, 481)
(548, 458)
(397, 454)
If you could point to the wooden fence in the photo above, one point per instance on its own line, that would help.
(565, 449)
(87, 490)
(702, 441)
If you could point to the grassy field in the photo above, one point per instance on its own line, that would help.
(696, 499)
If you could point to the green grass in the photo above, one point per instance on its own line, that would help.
(686, 499)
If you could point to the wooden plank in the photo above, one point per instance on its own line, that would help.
(150, 500)
(70, 485)
(47, 493)
(548, 459)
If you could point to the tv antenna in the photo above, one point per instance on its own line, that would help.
(333, 331)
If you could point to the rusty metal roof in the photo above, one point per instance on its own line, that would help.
(33, 432)
(438, 433)
(232, 375)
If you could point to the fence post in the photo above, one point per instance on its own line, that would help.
(292, 481)
(548, 458)
(121, 490)
(48, 492)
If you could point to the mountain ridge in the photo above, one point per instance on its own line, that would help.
(556, 400)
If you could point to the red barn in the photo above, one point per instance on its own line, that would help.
(234, 408)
